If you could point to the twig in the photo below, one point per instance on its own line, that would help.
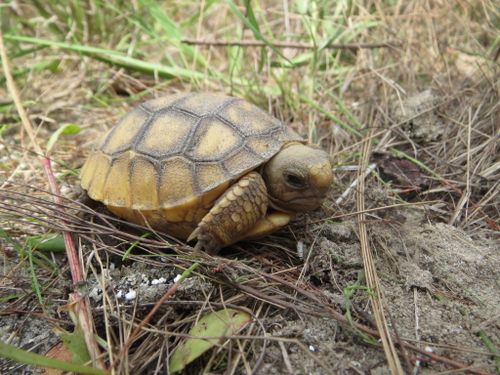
(464, 199)
(417, 323)
(81, 307)
(344, 195)
(375, 209)
(296, 45)
(286, 358)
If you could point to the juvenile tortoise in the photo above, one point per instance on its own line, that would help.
(206, 167)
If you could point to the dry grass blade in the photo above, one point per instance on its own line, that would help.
(372, 281)
(80, 303)
(319, 66)
(274, 289)
(464, 199)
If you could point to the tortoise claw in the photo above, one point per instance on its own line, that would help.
(205, 241)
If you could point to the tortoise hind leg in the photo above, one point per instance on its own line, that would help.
(233, 215)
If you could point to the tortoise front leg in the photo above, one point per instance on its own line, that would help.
(233, 215)
(268, 224)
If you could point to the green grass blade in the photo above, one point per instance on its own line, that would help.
(193, 20)
(47, 242)
(174, 34)
(28, 358)
(169, 26)
(251, 15)
(329, 115)
(114, 58)
(68, 129)
(491, 347)
(346, 111)
(256, 31)
(134, 245)
(34, 280)
(404, 155)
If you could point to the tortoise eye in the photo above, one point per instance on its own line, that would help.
(295, 181)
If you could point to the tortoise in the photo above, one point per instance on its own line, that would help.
(206, 167)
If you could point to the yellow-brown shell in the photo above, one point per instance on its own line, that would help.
(176, 154)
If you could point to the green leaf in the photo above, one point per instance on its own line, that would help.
(28, 358)
(75, 342)
(47, 242)
(209, 331)
(64, 129)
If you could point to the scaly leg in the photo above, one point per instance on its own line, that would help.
(239, 213)
(233, 214)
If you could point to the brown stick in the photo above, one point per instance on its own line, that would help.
(82, 311)
(295, 45)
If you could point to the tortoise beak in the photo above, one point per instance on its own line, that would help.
(320, 181)
(321, 178)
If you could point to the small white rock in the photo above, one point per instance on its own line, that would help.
(119, 294)
(65, 190)
(312, 348)
(161, 280)
(94, 293)
(130, 295)
(300, 249)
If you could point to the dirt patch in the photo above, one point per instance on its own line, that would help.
(418, 116)
(441, 288)
(27, 332)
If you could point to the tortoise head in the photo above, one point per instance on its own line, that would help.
(298, 178)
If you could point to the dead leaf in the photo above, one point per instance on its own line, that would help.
(206, 333)
(60, 352)
(402, 172)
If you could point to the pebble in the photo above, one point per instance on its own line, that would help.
(161, 280)
(131, 295)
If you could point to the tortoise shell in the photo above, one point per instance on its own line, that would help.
(170, 158)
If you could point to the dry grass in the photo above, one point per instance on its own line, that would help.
(338, 98)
